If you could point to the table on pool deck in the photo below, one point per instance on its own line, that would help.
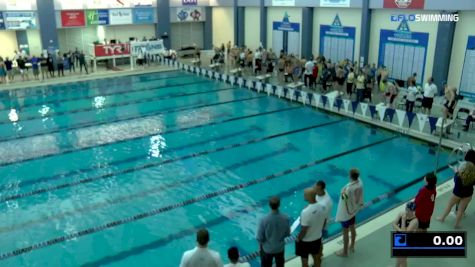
(196, 62)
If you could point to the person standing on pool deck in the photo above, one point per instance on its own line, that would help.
(351, 201)
(312, 221)
(425, 202)
(271, 234)
(324, 198)
(201, 256)
(464, 180)
(430, 90)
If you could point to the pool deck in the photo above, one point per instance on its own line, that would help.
(373, 240)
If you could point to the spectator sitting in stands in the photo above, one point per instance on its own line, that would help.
(233, 256)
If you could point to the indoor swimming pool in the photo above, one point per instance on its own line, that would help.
(123, 171)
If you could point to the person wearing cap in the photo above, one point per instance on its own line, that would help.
(201, 255)
(406, 221)
(233, 256)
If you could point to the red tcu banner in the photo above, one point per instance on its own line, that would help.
(112, 50)
(73, 18)
(404, 4)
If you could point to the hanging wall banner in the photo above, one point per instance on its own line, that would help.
(20, 20)
(286, 36)
(337, 42)
(283, 2)
(2, 23)
(143, 16)
(404, 4)
(112, 50)
(97, 17)
(403, 52)
(335, 3)
(149, 47)
(467, 82)
(189, 14)
(120, 16)
(73, 18)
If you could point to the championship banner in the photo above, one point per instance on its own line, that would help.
(143, 15)
(283, 2)
(335, 3)
(112, 50)
(148, 47)
(404, 4)
(73, 18)
(120, 16)
(20, 20)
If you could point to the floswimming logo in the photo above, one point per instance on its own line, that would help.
(425, 17)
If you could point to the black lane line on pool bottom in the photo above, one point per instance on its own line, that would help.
(161, 112)
(122, 199)
(134, 251)
(72, 127)
(155, 164)
(190, 201)
(73, 83)
(121, 104)
(375, 200)
(131, 159)
(148, 88)
(92, 123)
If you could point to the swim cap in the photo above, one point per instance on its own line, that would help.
(411, 206)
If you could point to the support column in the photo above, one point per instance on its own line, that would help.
(307, 32)
(163, 27)
(263, 35)
(47, 22)
(208, 29)
(365, 33)
(22, 41)
(240, 41)
(443, 51)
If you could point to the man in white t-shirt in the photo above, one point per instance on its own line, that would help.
(312, 220)
(351, 201)
(308, 77)
(430, 90)
(233, 256)
(323, 198)
(201, 256)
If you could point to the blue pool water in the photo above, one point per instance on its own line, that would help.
(121, 172)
